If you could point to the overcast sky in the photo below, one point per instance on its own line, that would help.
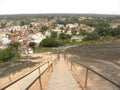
(59, 6)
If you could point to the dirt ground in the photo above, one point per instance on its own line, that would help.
(104, 59)
(12, 70)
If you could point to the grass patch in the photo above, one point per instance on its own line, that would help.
(91, 43)
(43, 49)
(1, 61)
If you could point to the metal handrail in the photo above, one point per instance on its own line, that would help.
(27, 75)
(38, 77)
(112, 82)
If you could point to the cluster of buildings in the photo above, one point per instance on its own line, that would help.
(14, 32)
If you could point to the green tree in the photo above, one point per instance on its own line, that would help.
(92, 36)
(74, 31)
(14, 46)
(3, 25)
(63, 36)
(116, 31)
(49, 42)
(44, 28)
(103, 31)
(6, 55)
(83, 32)
(24, 22)
(32, 45)
(53, 34)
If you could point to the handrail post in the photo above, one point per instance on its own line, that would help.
(52, 66)
(67, 62)
(74, 66)
(40, 82)
(86, 78)
(71, 66)
(39, 70)
(58, 56)
(54, 63)
(10, 78)
(64, 57)
(48, 65)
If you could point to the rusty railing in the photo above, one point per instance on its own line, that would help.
(72, 65)
(46, 66)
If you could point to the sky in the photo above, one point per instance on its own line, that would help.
(59, 6)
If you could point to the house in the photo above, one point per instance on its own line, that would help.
(48, 34)
(59, 26)
(87, 28)
(5, 41)
(37, 38)
(76, 38)
(70, 26)
(56, 30)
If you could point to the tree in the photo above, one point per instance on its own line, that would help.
(63, 36)
(92, 36)
(74, 31)
(22, 23)
(3, 25)
(14, 46)
(44, 28)
(116, 31)
(83, 32)
(49, 42)
(6, 55)
(32, 45)
(103, 31)
(53, 34)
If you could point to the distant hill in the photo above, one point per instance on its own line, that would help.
(54, 14)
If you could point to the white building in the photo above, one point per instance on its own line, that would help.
(59, 26)
(5, 41)
(56, 30)
(71, 26)
(37, 38)
(48, 33)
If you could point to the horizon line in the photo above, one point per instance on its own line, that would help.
(61, 13)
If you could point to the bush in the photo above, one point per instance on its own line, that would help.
(7, 55)
(53, 34)
(92, 36)
(17, 55)
(14, 46)
(63, 36)
(1, 61)
(43, 49)
(48, 42)
(32, 45)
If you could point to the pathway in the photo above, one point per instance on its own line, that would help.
(62, 79)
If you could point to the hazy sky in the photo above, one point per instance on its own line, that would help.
(59, 6)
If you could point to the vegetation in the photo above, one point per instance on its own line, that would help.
(3, 25)
(63, 36)
(53, 34)
(14, 46)
(43, 49)
(44, 28)
(49, 42)
(92, 36)
(24, 22)
(83, 32)
(7, 55)
(32, 45)
(74, 31)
